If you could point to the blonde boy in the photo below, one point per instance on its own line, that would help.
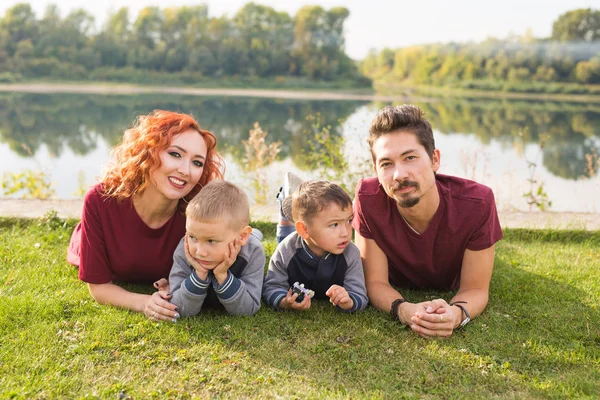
(218, 261)
(319, 254)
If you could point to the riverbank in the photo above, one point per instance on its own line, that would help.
(508, 219)
(111, 88)
(385, 87)
(384, 92)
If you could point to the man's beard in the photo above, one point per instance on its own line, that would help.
(407, 202)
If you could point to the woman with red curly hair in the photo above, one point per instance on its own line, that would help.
(134, 218)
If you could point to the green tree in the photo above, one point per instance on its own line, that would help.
(111, 44)
(118, 24)
(405, 61)
(588, 71)
(319, 43)
(267, 37)
(147, 28)
(19, 23)
(427, 67)
(24, 49)
(545, 74)
(518, 74)
(202, 60)
(577, 25)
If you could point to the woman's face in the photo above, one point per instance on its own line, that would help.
(182, 164)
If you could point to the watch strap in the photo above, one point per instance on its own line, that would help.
(466, 313)
(394, 310)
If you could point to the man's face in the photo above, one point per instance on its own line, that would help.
(403, 167)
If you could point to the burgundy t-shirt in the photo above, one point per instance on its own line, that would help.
(112, 243)
(465, 219)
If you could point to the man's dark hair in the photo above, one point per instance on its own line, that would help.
(406, 117)
(314, 196)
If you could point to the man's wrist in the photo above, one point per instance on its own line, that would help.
(458, 316)
(463, 314)
(395, 310)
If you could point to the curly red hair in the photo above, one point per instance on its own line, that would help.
(138, 155)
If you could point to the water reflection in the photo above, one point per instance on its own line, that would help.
(67, 125)
(566, 131)
(77, 121)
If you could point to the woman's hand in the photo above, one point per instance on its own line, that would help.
(158, 308)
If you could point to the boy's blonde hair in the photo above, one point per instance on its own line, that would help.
(220, 200)
(313, 196)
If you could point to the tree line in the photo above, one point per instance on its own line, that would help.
(260, 44)
(570, 55)
(257, 41)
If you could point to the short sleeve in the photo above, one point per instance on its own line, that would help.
(359, 223)
(94, 265)
(489, 230)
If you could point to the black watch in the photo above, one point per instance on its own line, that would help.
(394, 310)
(467, 316)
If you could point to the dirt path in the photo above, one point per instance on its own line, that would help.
(404, 93)
(72, 209)
(265, 93)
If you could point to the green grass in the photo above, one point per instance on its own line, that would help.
(538, 338)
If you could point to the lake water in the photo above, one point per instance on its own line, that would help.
(512, 146)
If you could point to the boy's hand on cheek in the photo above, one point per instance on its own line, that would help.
(220, 270)
(200, 271)
(289, 302)
(338, 296)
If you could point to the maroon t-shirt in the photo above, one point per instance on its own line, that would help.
(112, 243)
(465, 219)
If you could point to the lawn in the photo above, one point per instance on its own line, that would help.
(538, 338)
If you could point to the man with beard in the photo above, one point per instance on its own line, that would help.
(419, 229)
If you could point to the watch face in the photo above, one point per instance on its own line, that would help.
(465, 321)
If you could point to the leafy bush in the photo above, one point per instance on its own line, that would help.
(10, 77)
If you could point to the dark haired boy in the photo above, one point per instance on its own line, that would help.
(319, 254)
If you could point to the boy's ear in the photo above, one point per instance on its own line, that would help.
(301, 229)
(245, 234)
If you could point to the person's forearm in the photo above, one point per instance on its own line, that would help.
(242, 302)
(381, 295)
(190, 296)
(109, 293)
(275, 287)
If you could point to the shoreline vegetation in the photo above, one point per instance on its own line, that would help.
(384, 91)
(260, 48)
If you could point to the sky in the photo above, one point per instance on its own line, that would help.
(377, 24)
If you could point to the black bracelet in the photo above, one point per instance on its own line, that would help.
(394, 310)
(464, 310)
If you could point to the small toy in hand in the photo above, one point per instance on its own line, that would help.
(301, 291)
